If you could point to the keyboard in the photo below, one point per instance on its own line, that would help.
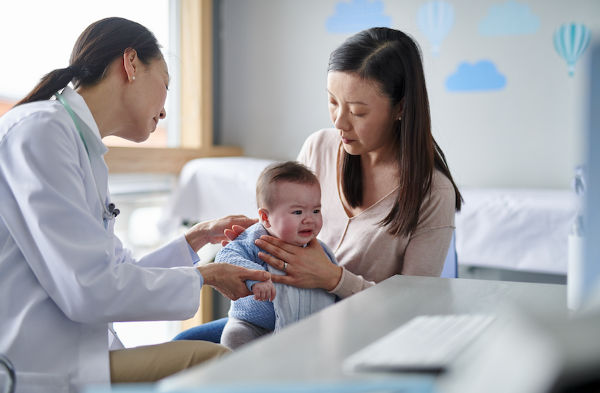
(426, 343)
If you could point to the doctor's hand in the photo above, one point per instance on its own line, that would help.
(230, 280)
(304, 267)
(214, 231)
(232, 233)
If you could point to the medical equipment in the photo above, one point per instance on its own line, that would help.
(109, 211)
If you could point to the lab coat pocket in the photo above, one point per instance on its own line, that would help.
(31, 382)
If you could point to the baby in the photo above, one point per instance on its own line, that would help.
(289, 201)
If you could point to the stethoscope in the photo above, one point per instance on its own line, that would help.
(109, 212)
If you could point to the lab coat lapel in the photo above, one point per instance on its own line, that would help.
(91, 135)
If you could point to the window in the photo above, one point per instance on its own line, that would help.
(42, 37)
(39, 36)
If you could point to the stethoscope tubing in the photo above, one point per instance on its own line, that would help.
(108, 212)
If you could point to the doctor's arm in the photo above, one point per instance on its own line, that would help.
(54, 216)
(180, 251)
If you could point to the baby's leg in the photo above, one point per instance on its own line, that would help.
(237, 333)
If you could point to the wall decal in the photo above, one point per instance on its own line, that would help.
(480, 76)
(510, 18)
(570, 41)
(356, 15)
(435, 20)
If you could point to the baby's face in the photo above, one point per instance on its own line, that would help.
(296, 215)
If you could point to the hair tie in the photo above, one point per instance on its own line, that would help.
(75, 70)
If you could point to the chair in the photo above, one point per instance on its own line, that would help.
(450, 269)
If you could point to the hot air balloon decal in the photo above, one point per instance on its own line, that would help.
(435, 19)
(570, 41)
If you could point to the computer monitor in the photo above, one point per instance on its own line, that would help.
(590, 288)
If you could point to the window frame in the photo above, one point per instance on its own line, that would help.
(196, 103)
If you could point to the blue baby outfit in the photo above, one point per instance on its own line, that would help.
(290, 304)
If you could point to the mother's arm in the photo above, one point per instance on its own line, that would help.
(428, 244)
(307, 267)
(426, 252)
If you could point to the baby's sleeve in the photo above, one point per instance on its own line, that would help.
(241, 253)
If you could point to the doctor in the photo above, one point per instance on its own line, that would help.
(64, 275)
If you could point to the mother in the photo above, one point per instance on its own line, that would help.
(388, 198)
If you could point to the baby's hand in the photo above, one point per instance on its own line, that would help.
(264, 290)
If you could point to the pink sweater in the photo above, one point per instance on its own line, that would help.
(366, 251)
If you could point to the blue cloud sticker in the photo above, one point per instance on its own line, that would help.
(480, 76)
(357, 15)
(510, 18)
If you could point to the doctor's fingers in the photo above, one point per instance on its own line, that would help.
(214, 230)
(233, 232)
(233, 295)
(234, 289)
(253, 275)
(238, 223)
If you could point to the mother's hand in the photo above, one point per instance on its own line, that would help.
(307, 267)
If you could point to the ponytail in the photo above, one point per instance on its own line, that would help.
(99, 44)
(48, 85)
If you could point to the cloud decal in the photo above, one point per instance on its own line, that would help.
(480, 76)
(357, 15)
(510, 18)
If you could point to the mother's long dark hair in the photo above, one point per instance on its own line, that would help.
(96, 48)
(393, 60)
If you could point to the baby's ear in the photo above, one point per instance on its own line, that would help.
(263, 214)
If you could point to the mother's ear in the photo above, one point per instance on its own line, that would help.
(399, 110)
(263, 214)
(130, 63)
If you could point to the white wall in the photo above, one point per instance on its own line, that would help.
(274, 56)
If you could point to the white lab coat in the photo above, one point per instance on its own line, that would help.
(63, 275)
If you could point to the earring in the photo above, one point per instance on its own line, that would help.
(399, 118)
(133, 78)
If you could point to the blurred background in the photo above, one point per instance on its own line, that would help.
(507, 84)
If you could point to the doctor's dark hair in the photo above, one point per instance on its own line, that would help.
(96, 48)
(289, 171)
(392, 61)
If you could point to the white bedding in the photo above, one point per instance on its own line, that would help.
(525, 230)
(210, 188)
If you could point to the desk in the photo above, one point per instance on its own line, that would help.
(314, 348)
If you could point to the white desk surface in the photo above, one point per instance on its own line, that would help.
(314, 349)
